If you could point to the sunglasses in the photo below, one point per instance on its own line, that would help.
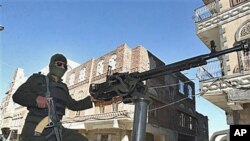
(59, 64)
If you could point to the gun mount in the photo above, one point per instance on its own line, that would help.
(130, 86)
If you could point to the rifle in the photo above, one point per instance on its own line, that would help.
(130, 86)
(51, 120)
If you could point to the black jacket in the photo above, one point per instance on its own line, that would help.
(35, 86)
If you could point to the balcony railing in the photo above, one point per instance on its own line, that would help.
(209, 71)
(206, 11)
(213, 68)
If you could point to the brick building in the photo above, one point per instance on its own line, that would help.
(114, 120)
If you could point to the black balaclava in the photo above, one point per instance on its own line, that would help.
(53, 70)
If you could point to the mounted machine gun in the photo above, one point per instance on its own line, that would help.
(130, 86)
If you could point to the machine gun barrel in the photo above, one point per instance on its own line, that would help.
(123, 84)
(188, 63)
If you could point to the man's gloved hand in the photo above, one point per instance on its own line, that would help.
(42, 102)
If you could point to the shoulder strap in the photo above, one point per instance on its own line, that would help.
(52, 114)
(47, 94)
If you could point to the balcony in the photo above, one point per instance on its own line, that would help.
(209, 18)
(206, 22)
(206, 11)
(213, 68)
(226, 91)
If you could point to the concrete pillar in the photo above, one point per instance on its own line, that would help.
(239, 116)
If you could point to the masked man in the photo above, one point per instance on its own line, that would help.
(32, 94)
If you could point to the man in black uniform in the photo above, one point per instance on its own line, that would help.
(32, 95)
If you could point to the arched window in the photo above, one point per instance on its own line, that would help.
(82, 74)
(181, 87)
(190, 92)
(182, 120)
(112, 62)
(190, 126)
(99, 69)
(243, 33)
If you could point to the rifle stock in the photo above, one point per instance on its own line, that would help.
(41, 125)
